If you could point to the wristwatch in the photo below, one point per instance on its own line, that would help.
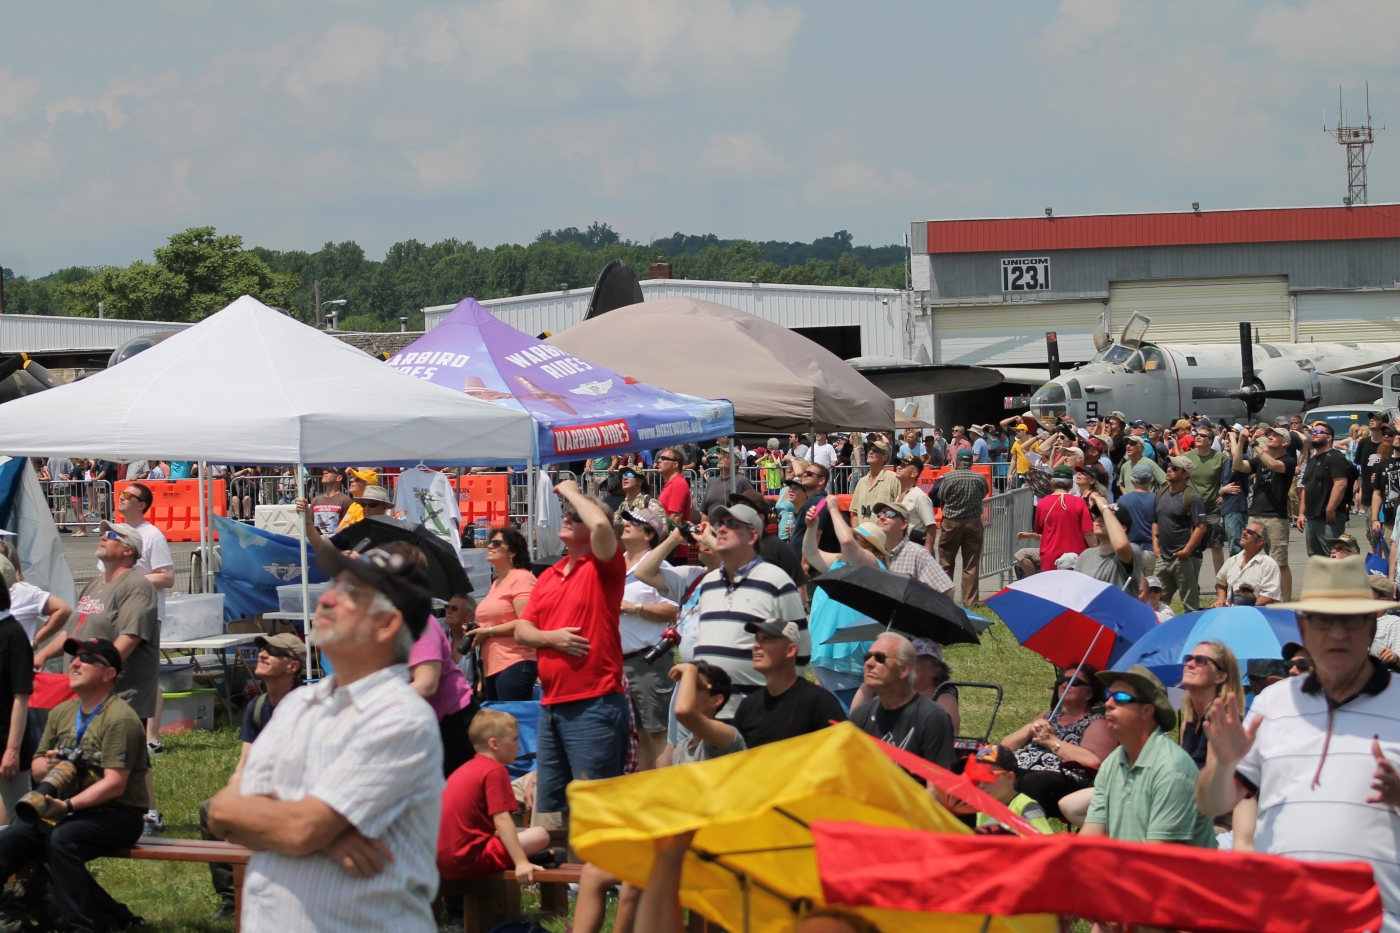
(1057, 746)
(70, 807)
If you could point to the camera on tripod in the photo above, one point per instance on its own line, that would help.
(69, 775)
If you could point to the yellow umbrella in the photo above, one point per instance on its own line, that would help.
(751, 867)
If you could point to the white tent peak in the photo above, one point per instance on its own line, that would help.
(251, 385)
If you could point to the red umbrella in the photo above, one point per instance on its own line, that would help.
(1161, 885)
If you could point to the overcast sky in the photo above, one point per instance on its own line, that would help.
(293, 123)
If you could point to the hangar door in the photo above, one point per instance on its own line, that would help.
(1204, 310)
(1013, 333)
(1349, 317)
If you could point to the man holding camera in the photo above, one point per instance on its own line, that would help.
(93, 820)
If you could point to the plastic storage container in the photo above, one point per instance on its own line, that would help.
(281, 519)
(481, 582)
(192, 616)
(474, 560)
(189, 709)
(289, 596)
(176, 675)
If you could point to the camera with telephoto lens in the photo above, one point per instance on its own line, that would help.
(669, 639)
(688, 531)
(69, 775)
(465, 646)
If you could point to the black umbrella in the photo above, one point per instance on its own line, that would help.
(446, 578)
(906, 605)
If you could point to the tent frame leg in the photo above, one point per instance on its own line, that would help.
(305, 582)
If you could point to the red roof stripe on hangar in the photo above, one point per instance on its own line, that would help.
(1274, 225)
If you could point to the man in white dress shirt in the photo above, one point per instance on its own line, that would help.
(340, 794)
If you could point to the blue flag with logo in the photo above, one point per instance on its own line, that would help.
(254, 562)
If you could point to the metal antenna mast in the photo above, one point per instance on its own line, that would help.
(1357, 139)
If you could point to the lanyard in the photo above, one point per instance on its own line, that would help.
(83, 723)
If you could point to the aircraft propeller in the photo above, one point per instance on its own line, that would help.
(1252, 390)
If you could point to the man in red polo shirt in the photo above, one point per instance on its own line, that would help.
(571, 622)
(675, 489)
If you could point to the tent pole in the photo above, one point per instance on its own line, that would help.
(203, 534)
(1082, 662)
(305, 583)
(531, 479)
(733, 469)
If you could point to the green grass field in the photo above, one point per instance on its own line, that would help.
(176, 896)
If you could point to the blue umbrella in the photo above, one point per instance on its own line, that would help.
(1250, 632)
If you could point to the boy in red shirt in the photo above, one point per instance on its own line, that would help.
(477, 835)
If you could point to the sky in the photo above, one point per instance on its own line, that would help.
(296, 123)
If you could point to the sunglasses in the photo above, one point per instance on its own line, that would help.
(1323, 623)
(278, 651)
(1302, 665)
(574, 517)
(733, 524)
(92, 659)
(810, 473)
(495, 542)
(1200, 660)
(879, 656)
(672, 459)
(1072, 683)
(1123, 699)
(888, 513)
(1252, 533)
(1319, 433)
(111, 536)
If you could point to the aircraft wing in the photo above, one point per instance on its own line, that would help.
(1025, 377)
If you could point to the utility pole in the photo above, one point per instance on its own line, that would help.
(317, 287)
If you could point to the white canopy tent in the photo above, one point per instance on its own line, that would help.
(250, 385)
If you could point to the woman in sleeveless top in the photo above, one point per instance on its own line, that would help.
(1060, 755)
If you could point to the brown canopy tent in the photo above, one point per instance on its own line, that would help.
(777, 379)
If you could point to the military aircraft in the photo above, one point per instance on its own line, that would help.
(21, 376)
(1255, 381)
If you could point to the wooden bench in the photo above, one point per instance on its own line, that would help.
(494, 899)
(195, 850)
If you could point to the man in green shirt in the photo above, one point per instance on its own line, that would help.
(98, 814)
(1135, 455)
(1145, 789)
(1205, 479)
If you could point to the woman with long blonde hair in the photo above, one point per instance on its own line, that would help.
(1210, 671)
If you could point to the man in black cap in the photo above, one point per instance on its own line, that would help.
(339, 795)
(788, 705)
(93, 820)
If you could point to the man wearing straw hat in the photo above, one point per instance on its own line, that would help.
(1319, 750)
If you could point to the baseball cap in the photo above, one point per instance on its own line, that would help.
(1142, 469)
(927, 648)
(1154, 583)
(1281, 432)
(965, 454)
(1019, 427)
(1182, 463)
(1119, 415)
(396, 575)
(1281, 421)
(644, 517)
(903, 512)
(1134, 439)
(1139, 423)
(1146, 685)
(286, 641)
(880, 445)
(128, 535)
(909, 461)
(1182, 423)
(375, 494)
(1292, 648)
(1382, 586)
(740, 513)
(998, 756)
(752, 497)
(367, 475)
(776, 628)
(1346, 542)
(101, 647)
(1063, 471)
(632, 471)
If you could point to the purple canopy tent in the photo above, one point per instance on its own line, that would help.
(581, 410)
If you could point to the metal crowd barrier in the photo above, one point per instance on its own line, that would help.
(1003, 515)
(78, 504)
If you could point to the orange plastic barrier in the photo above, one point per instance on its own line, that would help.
(175, 509)
(930, 476)
(484, 495)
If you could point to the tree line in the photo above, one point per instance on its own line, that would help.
(200, 271)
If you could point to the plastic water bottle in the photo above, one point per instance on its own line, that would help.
(480, 532)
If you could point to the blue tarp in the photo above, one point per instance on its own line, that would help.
(254, 562)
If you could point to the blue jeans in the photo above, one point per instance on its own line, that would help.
(580, 741)
(1234, 527)
(1316, 532)
(516, 682)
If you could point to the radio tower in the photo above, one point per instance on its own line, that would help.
(1357, 140)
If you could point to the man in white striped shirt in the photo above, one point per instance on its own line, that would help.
(340, 794)
(743, 589)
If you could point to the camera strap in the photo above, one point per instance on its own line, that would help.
(82, 723)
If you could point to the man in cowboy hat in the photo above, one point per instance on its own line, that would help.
(1319, 750)
(1143, 792)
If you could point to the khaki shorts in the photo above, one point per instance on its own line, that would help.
(1278, 537)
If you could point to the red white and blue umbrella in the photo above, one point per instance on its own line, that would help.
(1069, 618)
